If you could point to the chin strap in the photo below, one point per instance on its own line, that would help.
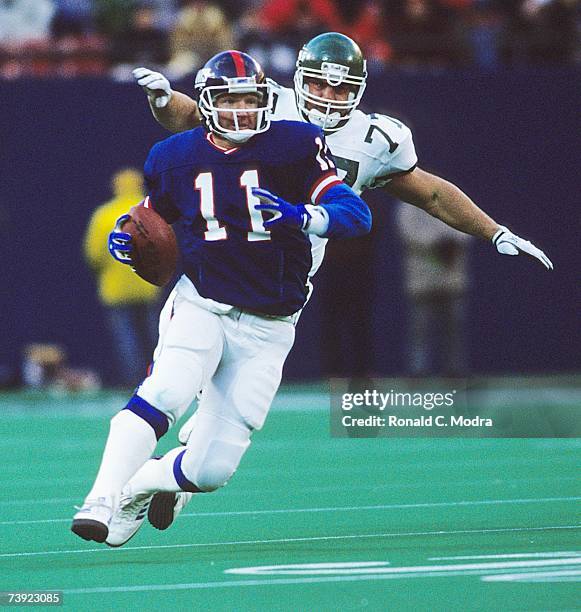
(324, 120)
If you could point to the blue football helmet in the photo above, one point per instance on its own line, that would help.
(233, 72)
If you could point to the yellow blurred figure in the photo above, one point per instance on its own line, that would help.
(129, 301)
(118, 284)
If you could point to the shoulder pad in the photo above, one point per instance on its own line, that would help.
(389, 124)
(273, 83)
(390, 134)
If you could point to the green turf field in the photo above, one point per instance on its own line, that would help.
(376, 524)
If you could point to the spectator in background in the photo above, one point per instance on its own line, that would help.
(72, 18)
(364, 21)
(301, 18)
(25, 20)
(276, 31)
(112, 16)
(421, 32)
(280, 27)
(201, 30)
(142, 41)
(77, 48)
(436, 283)
(68, 38)
(130, 302)
(483, 23)
(541, 32)
(166, 12)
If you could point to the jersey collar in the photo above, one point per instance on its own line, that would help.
(221, 149)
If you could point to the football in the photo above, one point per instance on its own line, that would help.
(155, 248)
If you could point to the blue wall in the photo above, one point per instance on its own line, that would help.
(509, 139)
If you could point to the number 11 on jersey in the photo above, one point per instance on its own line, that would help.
(204, 183)
(248, 180)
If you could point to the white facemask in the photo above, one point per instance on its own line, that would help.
(240, 85)
(331, 115)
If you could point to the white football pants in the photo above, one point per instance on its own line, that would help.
(235, 357)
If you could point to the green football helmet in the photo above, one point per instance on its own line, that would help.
(337, 60)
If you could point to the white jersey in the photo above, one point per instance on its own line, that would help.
(369, 151)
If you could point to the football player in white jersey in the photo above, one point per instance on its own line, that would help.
(370, 151)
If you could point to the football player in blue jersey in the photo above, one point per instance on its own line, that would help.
(371, 151)
(248, 257)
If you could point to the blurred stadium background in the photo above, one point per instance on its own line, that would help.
(490, 90)
(506, 132)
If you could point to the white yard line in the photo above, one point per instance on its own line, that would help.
(572, 575)
(39, 502)
(386, 574)
(547, 555)
(273, 570)
(104, 548)
(482, 502)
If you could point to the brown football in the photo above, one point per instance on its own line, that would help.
(155, 248)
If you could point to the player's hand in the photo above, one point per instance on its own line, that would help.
(119, 243)
(283, 213)
(507, 243)
(155, 85)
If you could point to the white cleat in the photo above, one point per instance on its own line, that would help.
(165, 507)
(128, 518)
(91, 522)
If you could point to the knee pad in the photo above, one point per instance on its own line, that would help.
(219, 464)
(215, 448)
(173, 383)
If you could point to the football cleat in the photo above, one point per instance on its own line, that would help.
(91, 522)
(165, 507)
(128, 518)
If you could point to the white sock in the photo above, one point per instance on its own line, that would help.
(156, 475)
(130, 444)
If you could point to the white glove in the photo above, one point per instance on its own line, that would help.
(507, 243)
(155, 85)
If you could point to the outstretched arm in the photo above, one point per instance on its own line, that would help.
(446, 202)
(174, 110)
(442, 200)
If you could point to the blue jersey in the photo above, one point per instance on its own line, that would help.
(206, 190)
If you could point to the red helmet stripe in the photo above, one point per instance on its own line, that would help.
(238, 63)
